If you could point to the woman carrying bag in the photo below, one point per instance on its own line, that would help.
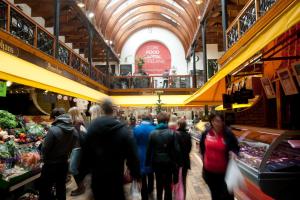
(75, 158)
(217, 145)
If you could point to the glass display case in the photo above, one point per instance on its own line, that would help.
(270, 159)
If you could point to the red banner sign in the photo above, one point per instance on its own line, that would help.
(157, 57)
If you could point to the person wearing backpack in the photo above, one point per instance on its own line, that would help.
(161, 156)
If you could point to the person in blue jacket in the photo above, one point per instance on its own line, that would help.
(142, 133)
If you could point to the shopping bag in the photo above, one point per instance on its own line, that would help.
(75, 161)
(234, 178)
(135, 193)
(178, 190)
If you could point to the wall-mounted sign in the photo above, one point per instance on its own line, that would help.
(8, 48)
(2, 89)
(296, 69)
(287, 82)
(268, 87)
(157, 58)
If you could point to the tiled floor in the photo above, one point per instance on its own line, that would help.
(196, 188)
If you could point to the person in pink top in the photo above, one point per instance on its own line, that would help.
(216, 145)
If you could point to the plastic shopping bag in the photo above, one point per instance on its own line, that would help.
(135, 193)
(178, 189)
(234, 178)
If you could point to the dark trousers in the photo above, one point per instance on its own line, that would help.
(165, 84)
(147, 185)
(107, 187)
(217, 186)
(163, 183)
(53, 175)
(184, 175)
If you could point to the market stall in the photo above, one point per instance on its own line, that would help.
(20, 160)
(270, 161)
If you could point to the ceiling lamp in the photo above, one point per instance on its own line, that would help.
(8, 83)
(110, 42)
(91, 15)
(80, 5)
(198, 2)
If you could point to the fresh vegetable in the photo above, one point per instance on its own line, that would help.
(7, 120)
(4, 152)
(35, 130)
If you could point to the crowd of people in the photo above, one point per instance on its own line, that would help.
(154, 154)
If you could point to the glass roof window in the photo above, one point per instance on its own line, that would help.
(171, 19)
(124, 5)
(171, 11)
(111, 3)
(128, 13)
(131, 20)
(175, 4)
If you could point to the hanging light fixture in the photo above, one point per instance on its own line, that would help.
(8, 83)
(198, 2)
(80, 5)
(91, 15)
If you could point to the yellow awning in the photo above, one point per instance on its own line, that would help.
(235, 106)
(211, 96)
(20, 71)
(271, 32)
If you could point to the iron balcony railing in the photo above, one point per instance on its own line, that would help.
(252, 11)
(18, 24)
(155, 82)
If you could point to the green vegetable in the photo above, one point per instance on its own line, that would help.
(7, 120)
(35, 130)
(11, 146)
(4, 153)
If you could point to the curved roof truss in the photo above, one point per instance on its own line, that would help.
(118, 19)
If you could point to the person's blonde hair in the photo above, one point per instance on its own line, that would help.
(95, 111)
(75, 114)
(173, 120)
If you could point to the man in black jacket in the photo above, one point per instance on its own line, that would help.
(56, 148)
(108, 144)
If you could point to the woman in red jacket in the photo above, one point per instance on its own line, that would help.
(216, 146)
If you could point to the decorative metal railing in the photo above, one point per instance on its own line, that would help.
(155, 82)
(252, 11)
(18, 24)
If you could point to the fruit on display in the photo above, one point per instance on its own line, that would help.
(7, 120)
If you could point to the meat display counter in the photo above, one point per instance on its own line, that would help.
(270, 159)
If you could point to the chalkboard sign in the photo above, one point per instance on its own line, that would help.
(126, 70)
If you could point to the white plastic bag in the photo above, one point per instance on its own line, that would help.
(234, 178)
(135, 193)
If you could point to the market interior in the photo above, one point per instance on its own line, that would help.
(188, 58)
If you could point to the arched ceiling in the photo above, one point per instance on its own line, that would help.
(119, 19)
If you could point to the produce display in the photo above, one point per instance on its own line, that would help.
(252, 153)
(20, 129)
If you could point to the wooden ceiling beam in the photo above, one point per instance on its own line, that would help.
(141, 11)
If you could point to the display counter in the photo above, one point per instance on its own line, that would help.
(270, 161)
